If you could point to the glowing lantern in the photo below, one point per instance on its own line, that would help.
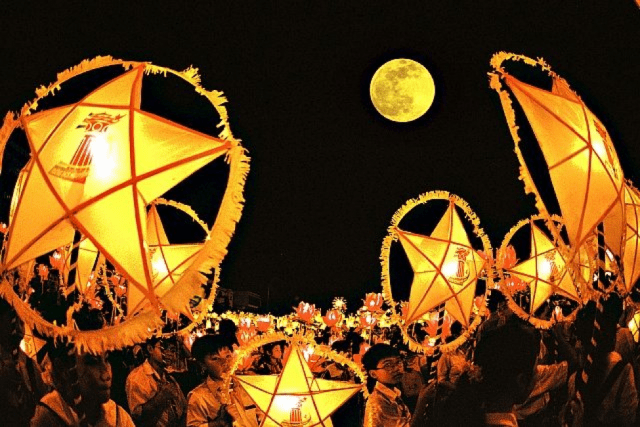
(3, 228)
(245, 323)
(244, 336)
(264, 323)
(97, 164)
(43, 271)
(332, 317)
(634, 326)
(340, 303)
(56, 260)
(295, 397)
(432, 326)
(368, 320)
(306, 311)
(631, 259)
(445, 268)
(507, 257)
(580, 156)
(119, 284)
(373, 301)
(544, 272)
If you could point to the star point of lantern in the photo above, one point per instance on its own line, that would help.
(95, 166)
(295, 395)
(545, 271)
(445, 269)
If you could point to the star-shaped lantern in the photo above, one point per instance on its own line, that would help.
(95, 166)
(583, 165)
(295, 397)
(631, 259)
(545, 271)
(445, 269)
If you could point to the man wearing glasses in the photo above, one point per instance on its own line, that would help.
(154, 397)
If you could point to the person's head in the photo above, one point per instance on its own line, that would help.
(227, 327)
(495, 300)
(274, 350)
(213, 354)
(94, 374)
(455, 331)
(155, 350)
(383, 363)
(606, 334)
(507, 357)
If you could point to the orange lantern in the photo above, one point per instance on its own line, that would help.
(295, 397)
(373, 301)
(306, 311)
(264, 323)
(3, 227)
(43, 271)
(57, 260)
(245, 324)
(332, 318)
(368, 320)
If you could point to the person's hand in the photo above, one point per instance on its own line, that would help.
(233, 411)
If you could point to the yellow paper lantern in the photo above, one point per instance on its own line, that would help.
(582, 162)
(96, 164)
(545, 271)
(295, 397)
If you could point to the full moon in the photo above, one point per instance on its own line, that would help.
(402, 90)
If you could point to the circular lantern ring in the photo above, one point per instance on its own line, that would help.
(585, 267)
(143, 325)
(322, 350)
(392, 236)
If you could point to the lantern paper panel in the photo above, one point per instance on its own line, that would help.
(445, 267)
(583, 164)
(631, 259)
(295, 396)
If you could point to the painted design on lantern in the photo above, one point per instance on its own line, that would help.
(458, 271)
(555, 273)
(296, 417)
(609, 160)
(93, 145)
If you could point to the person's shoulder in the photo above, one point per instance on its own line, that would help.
(198, 392)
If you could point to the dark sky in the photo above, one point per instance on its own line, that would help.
(327, 172)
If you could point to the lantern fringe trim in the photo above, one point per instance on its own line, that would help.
(177, 299)
(8, 125)
(138, 329)
(392, 236)
(510, 116)
(299, 339)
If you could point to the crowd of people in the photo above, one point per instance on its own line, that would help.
(507, 374)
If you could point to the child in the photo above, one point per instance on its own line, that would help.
(384, 407)
(204, 407)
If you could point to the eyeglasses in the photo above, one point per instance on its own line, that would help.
(391, 364)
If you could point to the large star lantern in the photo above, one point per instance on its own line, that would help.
(445, 269)
(295, 397)
(583, 165)
(545, 271)
(95, 166)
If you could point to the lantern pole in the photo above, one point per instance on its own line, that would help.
(433, 371)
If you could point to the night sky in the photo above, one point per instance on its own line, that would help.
(327, 172)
